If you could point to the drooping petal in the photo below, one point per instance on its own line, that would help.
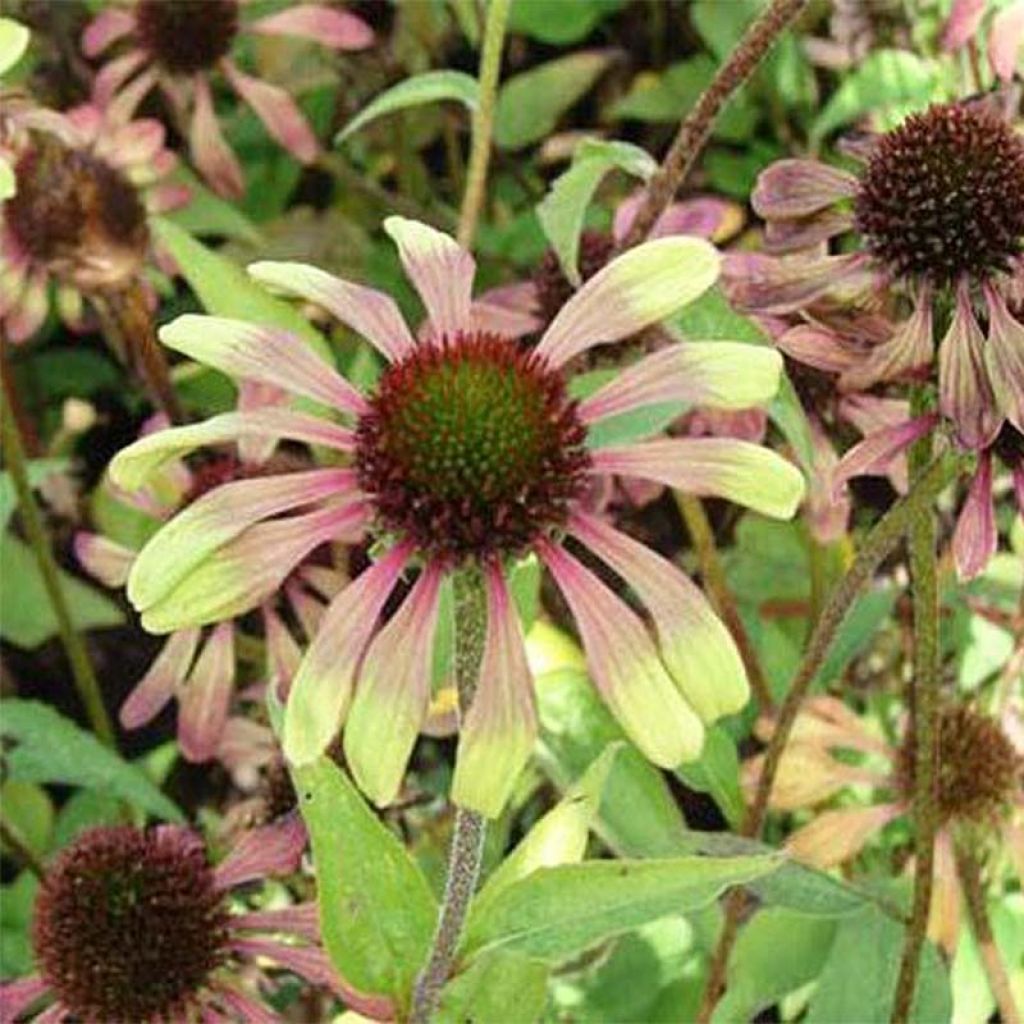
(238, 1004)
(758, 283)
(323, 685)
(639, 288)
(798, 188)
(965, 392)
(255, 451)
(218, 517)
(962, 23)
(497, 736)
(125, 102)
(17, 996)
(274, 849)
(721, 374)
(805, 233)
(1004, 355)
(625, 665)
(29, 312)
(283, 653)
(210, 152)
(104, 558)
(367, 311)
(269, 355)
(907, 353)
(158, 685)
(828, 513)
(944, 912)
(706, 216)
(114, 74)
(243, 573)
(129, 145)
(393, 692)
(695, 646)
(206, 696)
(807, 775)
(739, 471)
(1005, 39)
(819, 347)
(277, 110)
(875, 454)
(328, 26)
(441, 270)
(832, 837)
(132, 466)
(975, 538)
(107, 27)
(300, 920)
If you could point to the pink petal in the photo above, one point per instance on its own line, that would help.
(766, 284)
(805, 233)
(274, 849)
(875, 454)
(869, 413)
(798, 188)
(965, 392)
(1004, 356)
(828, 513)
(206, 695)
(301, 920)
(328, 26)
(211, 154)
(165, 675)
(29, 313)
(625, 665)
(241, 1006)
(107, 27)
(133, 144)
(509, 310)
(975, 538)
(907, 353)
(704, 216)
(103, 558)
(963, 22)
(743, 424)
(498, 733)
(123, 105)
(167, 197)
(114, 74)
(309, 963)
(278, 112)
(1005, 38)
(18, 996)
(283, 653)
(819, 348)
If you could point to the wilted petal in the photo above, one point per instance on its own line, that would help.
(1004, 355)
(274, 849)
(393, 692)
(827, 513)
(639, 288)
(18, 996)
(782, 236)
(768, 284)
(833, 837)
(798, 188)
(323, 685)
(695, 646)
(807, 775)
(283, 653)
(211, 154)
(944, 913)
(107, 27)
(114, 74)
(158, 685)
(963, 22)
(1005, 39)
(625, 665)
(367, 311)
(875, 455)
(722, 374)
(103, 558)
(138, 142)
(907, 353)
(278, 112)
(706, 216)
(739, 471)
(498, 733)
(205, 698)
(240, 1006)
(328, 26)
(975, 538)
(441, 270)
(300, 920)
(29, 312)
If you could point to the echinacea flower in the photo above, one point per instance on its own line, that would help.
(78, 216)
(178, 44)
(978, 791)
(200, 671)
(467, 454)
(138, 925)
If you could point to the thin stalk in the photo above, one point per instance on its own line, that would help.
(466, 853)
(483, 120)
(923, 700)
(81, 668)
(19, 849)
(696, 128)
(995, 970)
(877, 546)
(713, 575)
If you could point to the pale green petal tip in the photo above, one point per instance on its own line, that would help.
(485, 777)
(14, 40)
(8, 184)
(791, 487)
(304, 736)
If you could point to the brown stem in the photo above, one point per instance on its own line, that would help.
(995, 970)
(696, 128)
(713, 575)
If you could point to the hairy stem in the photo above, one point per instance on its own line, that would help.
(81, 668)
(923, 700)
(483, 120)
(995, 970)
(878, 544)
(466, 853)
(696, 128)
(713, 575)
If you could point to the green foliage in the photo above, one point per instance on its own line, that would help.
(558, 23)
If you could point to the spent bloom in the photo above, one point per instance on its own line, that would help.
(83, 188)
(467, 454)
(177, 45)
(138, 925)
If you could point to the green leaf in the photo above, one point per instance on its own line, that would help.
(14, 39)
(28, 813)
(16, 904)
(562, 211)
(207, 214)
(530, 103)
(885, 79)
(857, 631)
(37, 471)
(429, 87)
(858, 981)
(556, 913)
(717, 773)
(40, 745)
(86, 809)
(635, 425)
(559, 23)
(501, 986)
(27, 618)
(376, 911)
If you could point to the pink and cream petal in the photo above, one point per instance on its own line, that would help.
(210, 153)
(113, 75)
(807, 775)
(124, 103)
(325, 25)
(874, 456)
(963, 22)
(975, 538)
(739, 471)
(1005, 40)
(301, 919)
(322, 688)
(206, 696)
(267, 851)
(908, 353)
(367, 311)
(106, 28)
(625, 666)
(497, 736)
(393, 692)
(799, 188)
(165, 676)
(637, 289)
(1004, 355)
(833, 837)
(103, 558)
(805, 233)
(17, 996)
(767, 284)
(29, 312)
(944, 913)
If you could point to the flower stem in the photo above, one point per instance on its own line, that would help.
(696, 128)
(878, 544)
(466, 853)
(923, 693)
(713, 575)
(81, 668)
(483, 120)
